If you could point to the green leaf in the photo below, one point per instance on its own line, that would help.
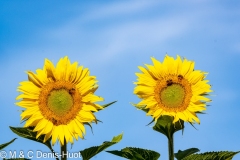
(181, 154)
(117, 138)
(223, 155)
(136, 154)
(6, 144)
(92, 151)
(29, 134)
(166, 126)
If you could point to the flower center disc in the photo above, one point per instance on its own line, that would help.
(173, 96)
(173, 93)
(60, 101)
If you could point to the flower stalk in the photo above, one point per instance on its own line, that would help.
(171, 147)
(64, 150)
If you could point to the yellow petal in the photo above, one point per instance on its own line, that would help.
(74, 72)
(195, 77)
(81, 126)
(34, 79)
(86, 116)
(48, 128)
(91, 98)
(61, 134)
(49, 69)
(47, 136)
(54, 134)
(187, 67)
(169, 63)
(41, 125)
(68, 134)
(30, 112)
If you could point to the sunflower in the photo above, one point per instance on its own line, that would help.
(59, 100)
(172, 88)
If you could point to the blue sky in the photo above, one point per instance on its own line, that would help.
(112, 38)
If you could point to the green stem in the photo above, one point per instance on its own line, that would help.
(170, 147)
(54, 153)
(64, 151)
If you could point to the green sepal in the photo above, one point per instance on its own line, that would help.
(108, 104)
(92, 151)
(141, 107)
(166, 126)
(222, 155)
(6, 144)
(27, 132)
(89, 124)
(181, 154)
(132, 153)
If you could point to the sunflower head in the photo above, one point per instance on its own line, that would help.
(172, 88)
(59, 100)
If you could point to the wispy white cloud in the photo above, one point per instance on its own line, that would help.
(134, 34)
(85, 34)
(73, 27)
(118, 8)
